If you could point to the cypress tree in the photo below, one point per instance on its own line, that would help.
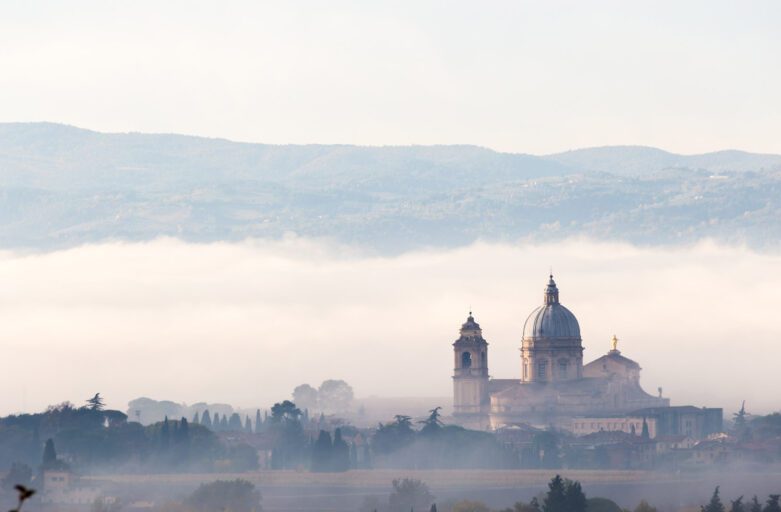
(49, 453)
(224, 422)
(195, 418)
(165, 434)
(234, 424)
(321, 453)
(645, 435)
(206, 419)
(258, 422)
(216, 425)
(184, 430)
(340, 453)
(247, 424)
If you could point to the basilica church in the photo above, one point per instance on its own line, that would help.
(554, 387)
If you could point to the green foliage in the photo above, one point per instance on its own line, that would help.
(409, 494)
(335, 396)
(520, 506)
(49, 454)
(234, 424)
(643, 506)
(602, 505)
(735, 505)
(432, 425)
(715, 504)
(340, 454)
(227, 495)
(772, 504)
(206, 419)
(564, 496)
(321, 452)
(96, 403)
(391, 437)
(288, 436)
(305, 396)
(470, 506)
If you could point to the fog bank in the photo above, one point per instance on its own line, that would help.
(244, 323)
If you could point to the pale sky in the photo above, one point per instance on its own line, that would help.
(533, 77)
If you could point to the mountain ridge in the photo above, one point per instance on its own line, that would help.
(63, 186)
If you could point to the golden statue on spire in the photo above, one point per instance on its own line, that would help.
(614, 343)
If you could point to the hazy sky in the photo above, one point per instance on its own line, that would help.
(245, 323)
(517, 76)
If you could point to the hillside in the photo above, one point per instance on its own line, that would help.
(61, 186)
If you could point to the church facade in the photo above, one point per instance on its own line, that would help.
(554, 386)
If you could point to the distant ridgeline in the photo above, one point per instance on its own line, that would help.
(63, 186)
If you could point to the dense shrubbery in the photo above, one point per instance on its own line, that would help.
(94, 439)
(435, 445)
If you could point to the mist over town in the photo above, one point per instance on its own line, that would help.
(390, 257)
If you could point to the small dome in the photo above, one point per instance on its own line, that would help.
(551, 320)
(470, 324)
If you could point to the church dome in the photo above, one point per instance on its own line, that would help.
(551, 320)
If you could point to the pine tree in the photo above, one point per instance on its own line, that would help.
(575, 499)
(258, 422)
(195, 418)
(216, 425)
(736, 505)
(95, 403)
(224, 422)
(247, 424)
(715, 504)
(556, 499)
(772, 503)
(206, 419)
(756, 506)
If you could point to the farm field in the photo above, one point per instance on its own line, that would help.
(303, 491)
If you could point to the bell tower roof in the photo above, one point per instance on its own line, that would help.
(470, 324)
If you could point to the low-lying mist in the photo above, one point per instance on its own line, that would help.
(244, 323)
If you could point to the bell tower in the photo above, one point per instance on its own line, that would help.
(470, 376)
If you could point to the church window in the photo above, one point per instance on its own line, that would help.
(563, 367)
(466, 360)
(542, 370)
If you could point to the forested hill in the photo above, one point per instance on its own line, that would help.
(61, 186)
